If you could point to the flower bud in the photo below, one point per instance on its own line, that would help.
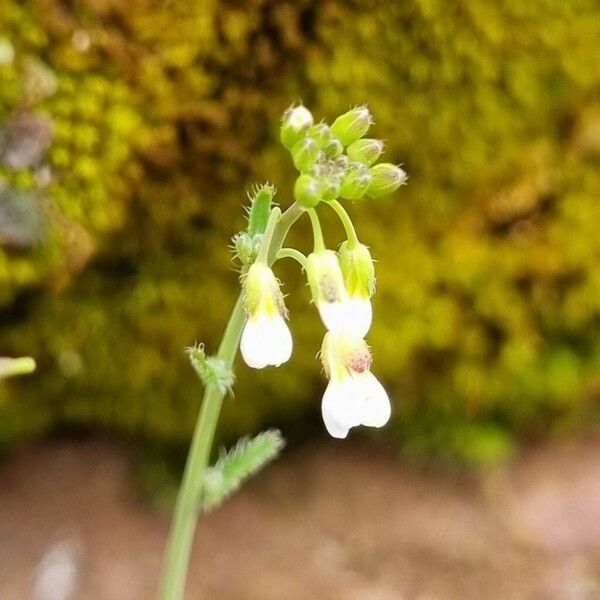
(294, 125)
(342, 162)
(358, 270)
(386, 178)
(352, 125)
(246, 247)
(365, 151)
(331, 185)
(355, 182)
(320, 133)
(305, 153)
(334, 148)
(307, 191)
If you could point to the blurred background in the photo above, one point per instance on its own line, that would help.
(129, 135)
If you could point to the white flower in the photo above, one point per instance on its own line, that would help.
(354, 395)
(340, 312)
(348, 315)
(266, 339)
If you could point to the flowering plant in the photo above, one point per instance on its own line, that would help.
(334, 162)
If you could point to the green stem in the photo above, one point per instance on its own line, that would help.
(317, 231)
(292, 253)
(263, 253)
(287, 219)
(346, 222)
(187, 505)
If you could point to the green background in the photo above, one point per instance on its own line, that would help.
(145, 124)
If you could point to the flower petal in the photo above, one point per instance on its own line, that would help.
(350, 315)
(341, 407)
(375, 403)
(279, 339)
(252, 346)
(359, 315)
(266, 340)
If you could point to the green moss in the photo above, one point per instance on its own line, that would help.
(488, 282)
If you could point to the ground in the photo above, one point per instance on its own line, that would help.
(329, 521)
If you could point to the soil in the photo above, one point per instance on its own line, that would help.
(328, 521)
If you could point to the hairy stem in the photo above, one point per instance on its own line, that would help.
(187, 505)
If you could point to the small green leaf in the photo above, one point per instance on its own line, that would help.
(242, 461)
(211, 369)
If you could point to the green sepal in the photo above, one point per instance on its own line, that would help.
(305, 154)
(352, 125)
(366, 151)
(358, 270)
(260, 208)
(324, 277)
(386, 178)
(308, 191)
(232, 468)
(355, 182)
(320, 134)
(334, 148)
(211, 369)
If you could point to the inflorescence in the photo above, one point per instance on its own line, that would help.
(334, 162)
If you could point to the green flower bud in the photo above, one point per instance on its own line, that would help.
(331, 185)
(294, 124)
(246, 247)
(358, 270)
(352, 125)
(321, 134)
(305, 154)
(307, 191)
(355, 182)
(366, 151)
(342, 162)
(334, 148)
(386, 178)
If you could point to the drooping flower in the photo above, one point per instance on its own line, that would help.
(358, 273)
(266, 339)
(354, 396)
(339, 312)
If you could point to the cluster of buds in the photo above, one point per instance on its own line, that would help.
(337, 161)
(333, 162)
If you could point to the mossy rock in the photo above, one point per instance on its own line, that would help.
(488, 280)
